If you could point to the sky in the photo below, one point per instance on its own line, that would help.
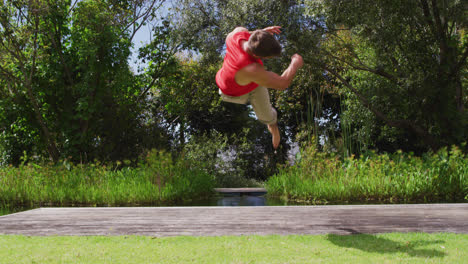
(141, 38)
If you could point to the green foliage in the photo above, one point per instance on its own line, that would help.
(67, 89)
(20, 33)
(383, 75)
(395, 178)
(223, 160)
(159, 180)
(203, 27)
(180, 179)
(402, 68)
(383, 67)
(189, 103)
(187, 98)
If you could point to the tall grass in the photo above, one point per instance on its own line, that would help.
(159, 180)
(394, 178)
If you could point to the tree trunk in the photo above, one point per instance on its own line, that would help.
(51, 146)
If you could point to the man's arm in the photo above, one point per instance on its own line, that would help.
(256, 73)
(237, 29)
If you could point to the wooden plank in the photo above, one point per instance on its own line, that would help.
(242, 191)
(219, 221)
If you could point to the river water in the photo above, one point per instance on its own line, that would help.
(244, 200)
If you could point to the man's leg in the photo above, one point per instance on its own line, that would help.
(243, 99)
(260, 101)
(275, 135)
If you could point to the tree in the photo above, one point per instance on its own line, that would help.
(19, 48)
(203, 25)
(67, 80)
(402, 61)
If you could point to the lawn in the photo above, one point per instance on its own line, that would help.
(363, 248)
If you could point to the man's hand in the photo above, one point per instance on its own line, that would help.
(297, 61)
(273, 30)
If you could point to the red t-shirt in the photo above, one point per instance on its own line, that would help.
(236, 58)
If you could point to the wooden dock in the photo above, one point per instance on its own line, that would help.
(241, 191)
(219, 221)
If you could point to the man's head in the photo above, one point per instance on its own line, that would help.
(262, 44)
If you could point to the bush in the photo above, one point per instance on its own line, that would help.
(398, 178)
(213, 154)
(159, 180)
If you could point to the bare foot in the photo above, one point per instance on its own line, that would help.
(275, 135)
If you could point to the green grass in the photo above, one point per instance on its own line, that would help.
(383, 248)
(316, 178)
(158, 180)
(389, 178)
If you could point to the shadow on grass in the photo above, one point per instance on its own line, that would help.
(374, 244)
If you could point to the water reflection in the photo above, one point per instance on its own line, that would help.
(218, 200)
(5, 210)
(242, 201)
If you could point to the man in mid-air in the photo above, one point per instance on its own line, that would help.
(243, 77)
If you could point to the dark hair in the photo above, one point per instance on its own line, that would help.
(264, 44)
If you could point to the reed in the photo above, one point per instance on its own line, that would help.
(382, 178)
(158, 180)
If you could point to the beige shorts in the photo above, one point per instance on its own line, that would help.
(260, 101)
